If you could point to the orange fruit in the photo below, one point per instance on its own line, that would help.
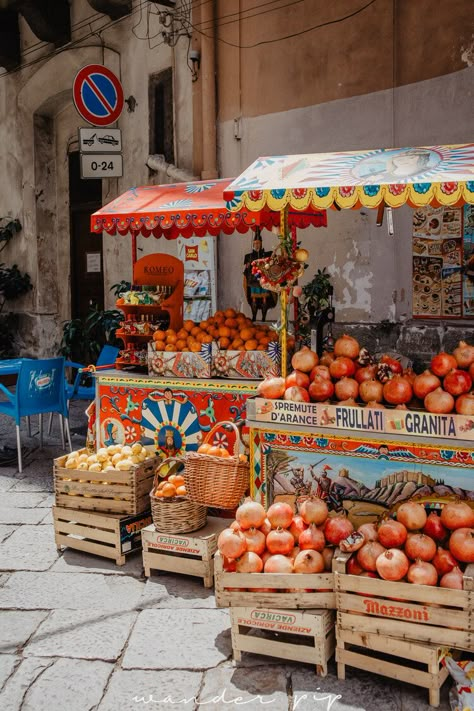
(224, 331)
(206, 338)
(230, 313)
(200, 336)
(159, 493)
(236, 343)
(224, 453)
(161, 485)
(170, 347)
(170, 332)
(159, 336)
(182, 333)
(185, 350)
(180, 345)
(160, 345)
(214, 451)
(169, 490)
(195, 331)
(251, 345)
(178, 480)
(195, 347)
(214, 332)
(230, 323)
(261, 347)
(204, 448)
(218, 314)
(171, 338)
(247, 333)
(171, 479)
(203, 325)
(243, 458)
(273, 336)
(224, 343)
(264, 342)
(181, 491)
(188, 325)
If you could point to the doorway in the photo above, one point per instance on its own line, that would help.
(87, 275)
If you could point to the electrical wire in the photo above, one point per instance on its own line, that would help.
(240, 15)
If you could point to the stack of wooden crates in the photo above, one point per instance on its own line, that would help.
(102, 516)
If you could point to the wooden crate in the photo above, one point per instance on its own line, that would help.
(307, 636)
(192, 554)
(121, 492)
(322, 584)
(416, 612)
(106, 535)
(409, 661)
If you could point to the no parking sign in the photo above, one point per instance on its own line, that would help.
(98, 95)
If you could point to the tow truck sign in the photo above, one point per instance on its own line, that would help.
(100, 140)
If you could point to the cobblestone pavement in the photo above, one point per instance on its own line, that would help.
(79, 634)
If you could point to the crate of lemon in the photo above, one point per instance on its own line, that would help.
(171, 509)
(226, 345)
(116, 479)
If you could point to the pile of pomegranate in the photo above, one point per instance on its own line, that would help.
(278, 541)
(350, 376)
(417, 548)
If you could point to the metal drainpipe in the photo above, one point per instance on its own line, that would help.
(208, 82)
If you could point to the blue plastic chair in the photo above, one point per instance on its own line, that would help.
(76, 391)
(39, 389)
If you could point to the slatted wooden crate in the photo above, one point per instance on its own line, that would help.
(301, 636)
(121, 492)
(402, 659)
(321, 586)
(404, 611)
(187, 554)
(104, 534)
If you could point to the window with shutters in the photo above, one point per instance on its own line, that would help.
(161, 115)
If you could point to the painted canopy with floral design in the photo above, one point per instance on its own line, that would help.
(429, 175)
(187, 209)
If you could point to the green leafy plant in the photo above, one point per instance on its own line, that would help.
(83, 339)
(120, 288)
(8, 229)
(316, 292)
(13, 284)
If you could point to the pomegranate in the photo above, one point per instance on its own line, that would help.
(392, 564)
(420, 547)
(304, 360)
(471, 371)
(341, 367)
(337, 528)
(461, 544)
(346, 388)
(280, 541)
(401, 406)
(228, 564)
(328, 555)
(266, 527)
(353, 566)
(410, 375)
(434, 528)
(374, 405)
(464, 354)
(369, 531)
(294, 553)
(314, 510)
(392, 534)
(250, 562)
(232, 544)
(312, 539)
(308, 561)
(321, 370)
(371, 390)
(278, 564)
(394, 364)
(457, 514)
(439, 402)
(297, 526)
(235, 526)
(296, 394)
(280, 514)
(443, 561)
(297, 378)
(250, 514)
(327, 358)
(425, 383)
(453, 579)
(366, 373)
(320, 389)
(346, 346)
(457, 382)
(412, 515)
(422, 573)
(465, 404)
(368, 554)
(442, 363)
(397, 390)
(255, 540)
(265, 556)
(272, 388)
(350, 402)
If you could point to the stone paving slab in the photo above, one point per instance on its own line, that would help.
(48, 519)
(6, 480)
(28, 548)
(7, 665)
(178, 639)
(47, 502)
(176, 591)
(72, 561)
(20, 516)
(17, 627)
(137, 689)
(35, 483)
(70, 591)
(72, 684)
(85, 634)
(3, 578)
(22, 500)
(256, 688)
(6, 531)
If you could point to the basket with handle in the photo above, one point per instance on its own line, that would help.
(217, 481)
(177, 514)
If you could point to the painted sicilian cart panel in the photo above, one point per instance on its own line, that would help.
(364, 477)
(170, 416)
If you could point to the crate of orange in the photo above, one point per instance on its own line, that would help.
(172, 509)
(179, 353)
(215, 477)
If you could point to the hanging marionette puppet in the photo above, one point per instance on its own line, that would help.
(258, 298)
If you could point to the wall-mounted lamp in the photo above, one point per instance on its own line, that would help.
(131, 104)
(194, 57)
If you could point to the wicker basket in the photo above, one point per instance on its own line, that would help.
(178, 514)
(217, 481)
